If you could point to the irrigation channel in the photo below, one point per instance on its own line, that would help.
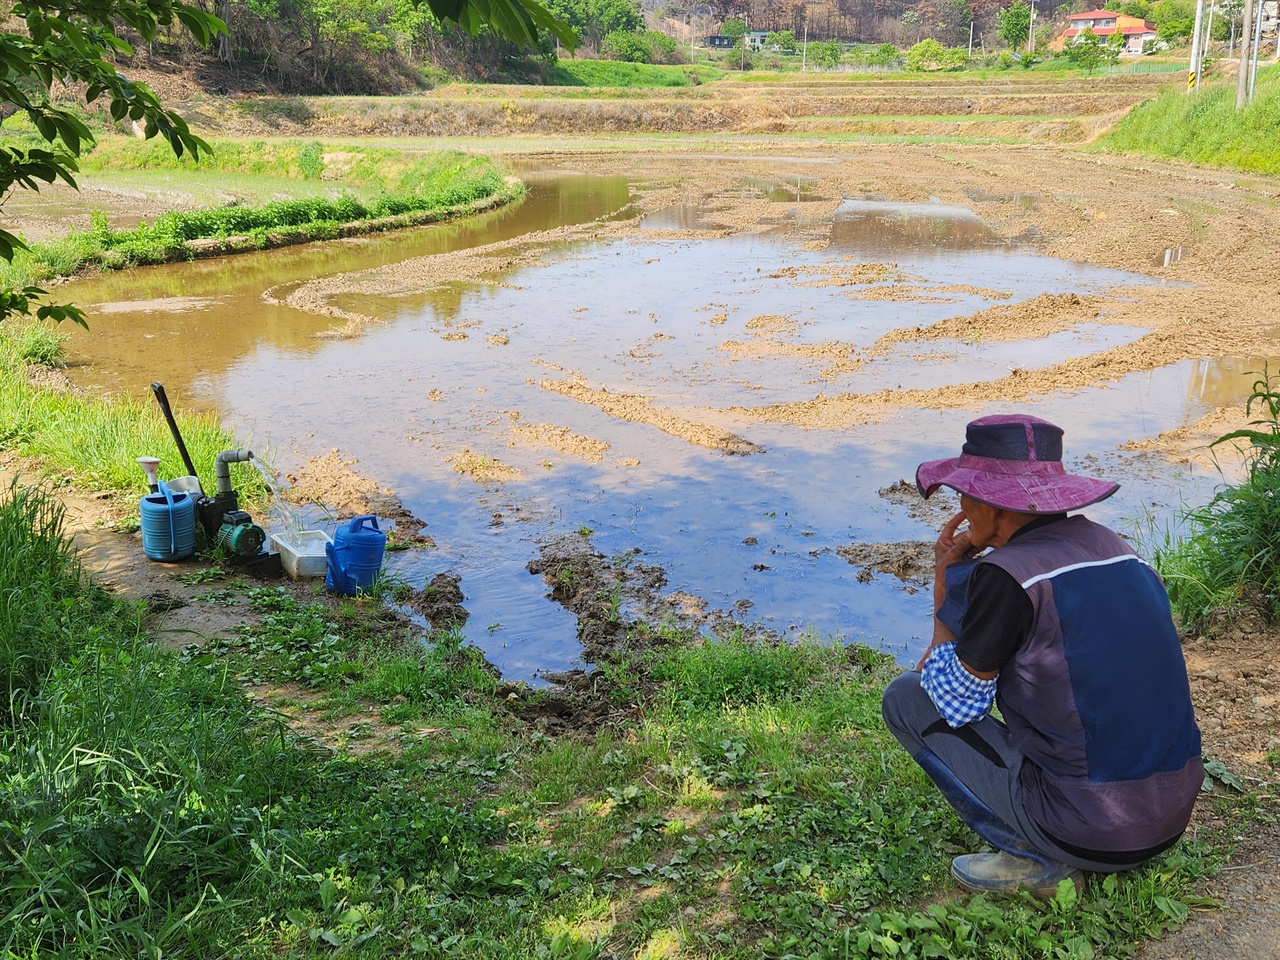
(793, 527)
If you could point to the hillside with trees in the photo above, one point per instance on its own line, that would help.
(392, 46)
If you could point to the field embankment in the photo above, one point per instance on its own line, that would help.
(1006, 108)
(729, 799)
(1205, 127)
(332, 193)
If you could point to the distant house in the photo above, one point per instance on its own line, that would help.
(755, 41)
(1270, 16)
(1104, 23)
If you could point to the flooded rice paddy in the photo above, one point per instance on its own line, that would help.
(614, 387)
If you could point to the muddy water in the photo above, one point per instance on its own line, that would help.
(698, 326)
(188, 324)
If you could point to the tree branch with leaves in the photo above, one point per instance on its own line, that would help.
(64, 43)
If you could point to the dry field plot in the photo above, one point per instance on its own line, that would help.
(1011, 107)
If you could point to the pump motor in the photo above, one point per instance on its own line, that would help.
(239, 536)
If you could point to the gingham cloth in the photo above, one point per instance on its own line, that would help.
(959, 696)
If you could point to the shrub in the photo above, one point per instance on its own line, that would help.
(662, 48)
(825, 53)
(926, 55)
(626, 46)
(886, 54)
(311, 161)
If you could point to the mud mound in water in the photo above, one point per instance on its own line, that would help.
(562, 440)
(483, 468)
(440, 601)
(911, 562)
(639, 409)
(1035, 318)
(586, 584)
(329, 480)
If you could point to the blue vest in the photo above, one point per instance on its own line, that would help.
(1097, 699)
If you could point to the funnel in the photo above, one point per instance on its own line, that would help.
(149, 465)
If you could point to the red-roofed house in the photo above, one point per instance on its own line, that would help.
(1104, 23)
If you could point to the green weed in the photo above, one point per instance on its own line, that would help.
(1232, 544)
(610, 73)
(30, 341)
(98, 440)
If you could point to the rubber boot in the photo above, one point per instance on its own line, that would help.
(1007, 873)
(1017, 866)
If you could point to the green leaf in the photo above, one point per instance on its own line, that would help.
(1217, 770)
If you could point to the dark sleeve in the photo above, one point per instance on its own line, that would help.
(998, 619)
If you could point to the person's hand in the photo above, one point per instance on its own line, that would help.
(952, 546)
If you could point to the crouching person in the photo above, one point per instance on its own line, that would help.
(1096, 765)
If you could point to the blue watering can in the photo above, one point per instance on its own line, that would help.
(168, 525)
(355, 556)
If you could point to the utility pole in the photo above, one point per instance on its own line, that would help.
(970, 39)
(1197, 54)
(1242, 77)
(804, 49)
(1031, 29)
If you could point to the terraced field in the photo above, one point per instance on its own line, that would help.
(1007, 108)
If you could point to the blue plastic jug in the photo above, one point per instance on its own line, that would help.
(355, 556)
(168, 525)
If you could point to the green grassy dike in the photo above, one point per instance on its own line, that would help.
(366, 190)
(1205, 127)
(743, 800)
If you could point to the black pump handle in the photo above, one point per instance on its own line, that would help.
(161, 399)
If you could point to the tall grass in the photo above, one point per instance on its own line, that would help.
(134, 793)
(1232, 546)
(297, 159)
(1205, 127)
(40, 617)
(97, 439)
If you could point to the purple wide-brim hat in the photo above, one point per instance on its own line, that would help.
(1013, 462)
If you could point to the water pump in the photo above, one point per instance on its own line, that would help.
(210, 511)
(239, 536)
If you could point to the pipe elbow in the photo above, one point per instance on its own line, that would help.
(222, 472)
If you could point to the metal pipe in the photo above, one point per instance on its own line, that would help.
(161, 399)
(222, 472)
(1197, 56)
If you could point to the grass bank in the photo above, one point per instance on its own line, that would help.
(374, 189)
(93, 441)
(1205, 127)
